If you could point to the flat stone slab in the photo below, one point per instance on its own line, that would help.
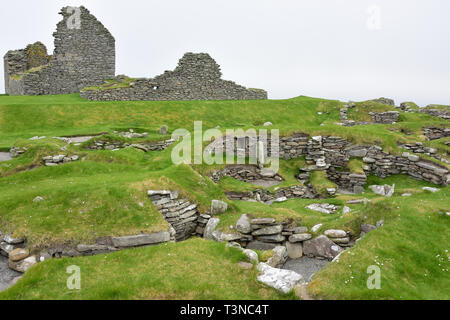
(305, 266)
(5, 156)
(141, 240)
(281, 280)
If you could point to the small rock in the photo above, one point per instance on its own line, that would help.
(10, 240)
(300, 237)
(268, 124)
(18, 254)
(367, 228)
(251, 255)
(298, 230)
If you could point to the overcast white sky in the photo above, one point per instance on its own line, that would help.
(324, 48)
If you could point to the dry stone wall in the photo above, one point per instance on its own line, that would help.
(82, 57)
(197, 77)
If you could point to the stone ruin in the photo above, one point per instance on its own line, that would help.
(84, 55)
(197, 77)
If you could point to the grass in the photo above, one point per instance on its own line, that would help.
(194, 269)
(104, 194)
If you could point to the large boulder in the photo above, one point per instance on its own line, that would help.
(279, 279)
(243, 224)
(321, 247)
(332, 233)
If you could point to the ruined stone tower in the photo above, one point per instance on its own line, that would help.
(84, 56)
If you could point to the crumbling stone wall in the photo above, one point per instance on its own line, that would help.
(434, 133)
(83, 56)
(197, 77)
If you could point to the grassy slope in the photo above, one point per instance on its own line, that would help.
(194, 269)
(100, 196)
